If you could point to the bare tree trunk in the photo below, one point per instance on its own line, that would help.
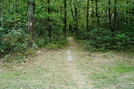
(31, 7)
(87, 14)
(115, 15)
(65, 17)
(92, 12)
(97, 12)
(109, 15)
(49, 11)
(128, 15)
(1, 24)
(76, 20)
(72, 10)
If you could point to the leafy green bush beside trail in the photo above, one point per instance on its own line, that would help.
(54, 42)
(16, 43)
(103, 39)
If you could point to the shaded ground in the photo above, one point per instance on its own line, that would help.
(70, 68)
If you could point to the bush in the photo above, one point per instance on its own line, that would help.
(103, 39)
(15, 41)
(54, 42)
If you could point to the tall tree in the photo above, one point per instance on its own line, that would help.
(31, 7)
(92, 15)
(76, 20)
(109, 15)
(48, 20)
(115, 14)
(87, 14)
(74, 11)
(1, 14)
(71, 5)
(97, 14)
(65, 17)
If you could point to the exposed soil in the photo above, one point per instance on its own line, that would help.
(74, 73)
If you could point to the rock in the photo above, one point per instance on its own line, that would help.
(38, 51)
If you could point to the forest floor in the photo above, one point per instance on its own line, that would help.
(70, 68)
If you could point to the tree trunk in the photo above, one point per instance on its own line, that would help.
(87, 14)
(92, 13)
(72, 10)
(31, 7)
(109, 15)
(65, 17)
(115, 15)
(97, 12)
(1, 24)
(76, 20)
(128, 15)
(48, 20)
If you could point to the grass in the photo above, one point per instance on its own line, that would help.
(46, 71)
(107, 72)
(50, 70)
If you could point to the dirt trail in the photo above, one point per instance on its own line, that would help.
(71, 66)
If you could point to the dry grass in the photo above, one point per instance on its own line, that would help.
(87, 70)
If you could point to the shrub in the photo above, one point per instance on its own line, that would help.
(103, 39)
(15, 41)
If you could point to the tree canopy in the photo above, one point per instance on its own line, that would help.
(101, 24)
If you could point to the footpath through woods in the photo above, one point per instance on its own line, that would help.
(69, 68)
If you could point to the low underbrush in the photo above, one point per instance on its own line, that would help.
(14, 46)
(103, 39)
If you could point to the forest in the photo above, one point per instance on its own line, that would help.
(100, 25)
(66, 44)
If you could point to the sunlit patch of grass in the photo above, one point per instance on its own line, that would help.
(111, 76)
(9, 75)
(107, 70)
(122, 69)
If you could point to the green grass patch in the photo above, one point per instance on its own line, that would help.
(9, 75)
(121, 68)
(119, 76)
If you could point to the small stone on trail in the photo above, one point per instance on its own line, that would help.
(38, 51)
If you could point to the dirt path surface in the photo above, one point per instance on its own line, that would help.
(74, 73)
(70, 68)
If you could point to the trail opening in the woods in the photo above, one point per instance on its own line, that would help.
(70, 68)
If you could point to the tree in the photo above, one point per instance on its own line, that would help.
(87, 14)
(97, 14)
(1, 14)
(92, 15)
(31, 7)
(109, 15)
(115, 15)
(48, 20)
(65, 17)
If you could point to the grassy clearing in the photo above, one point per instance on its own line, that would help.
(107, 70)
(46, 71)
(87, 70)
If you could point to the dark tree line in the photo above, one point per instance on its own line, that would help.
(50, 21)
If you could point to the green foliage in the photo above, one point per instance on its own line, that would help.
(16, 43)
(51, 43)
(123, 39)
(57, 44)
(102, 39)
(16, 40)
(49, 26)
